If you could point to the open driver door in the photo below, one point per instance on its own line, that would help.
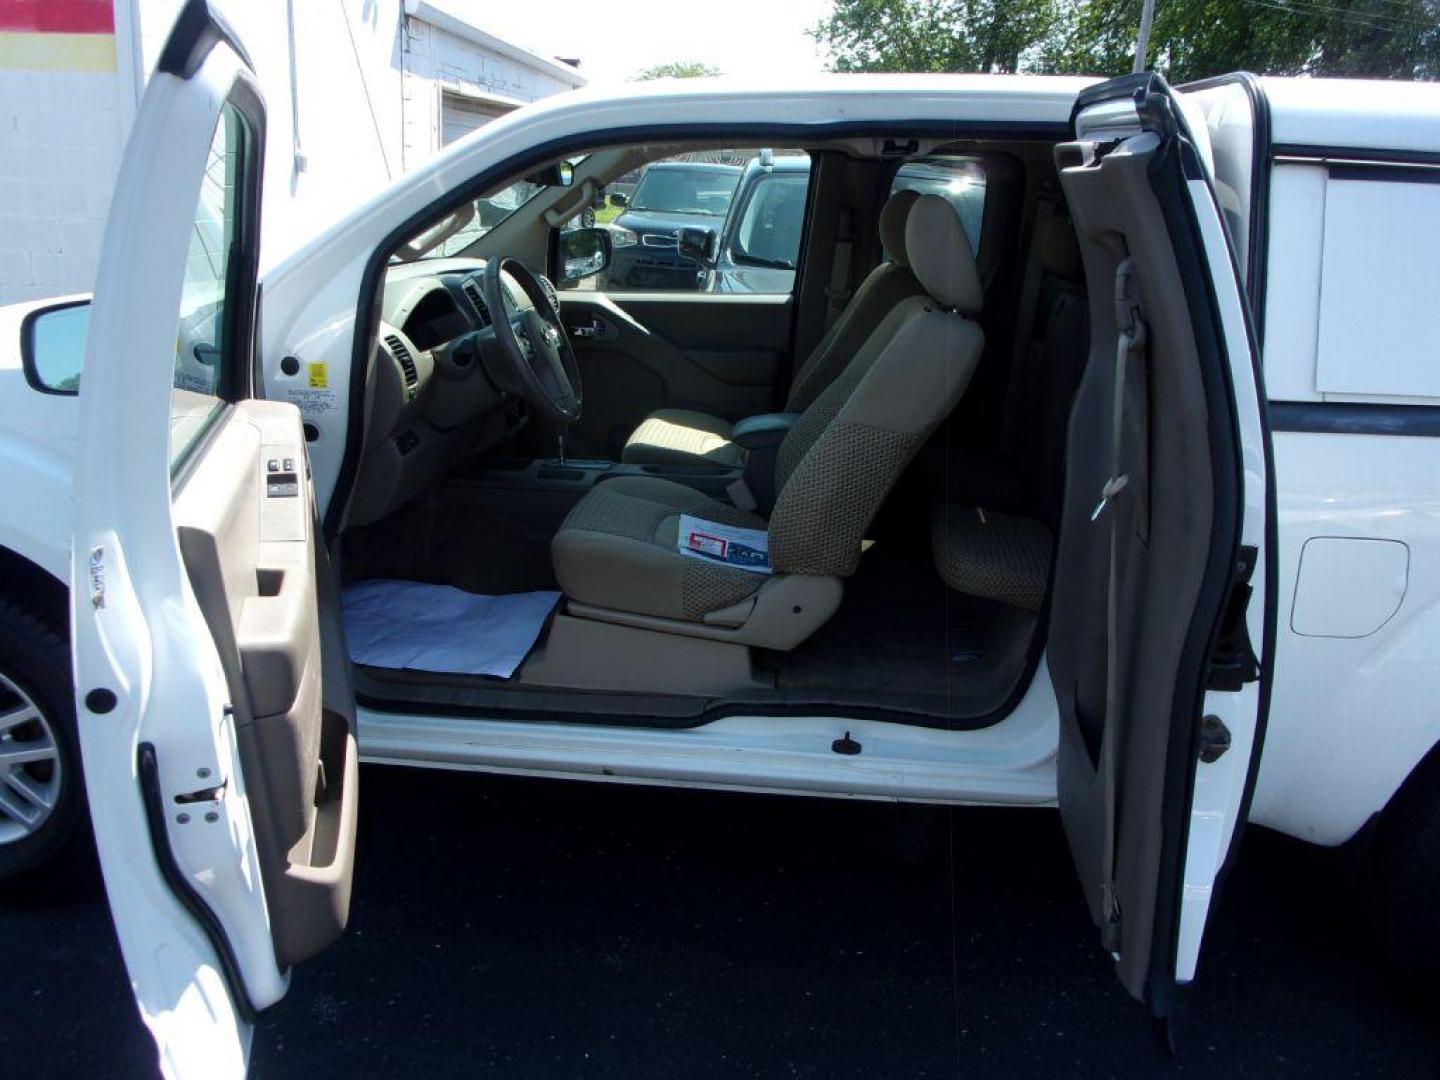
(216, 716)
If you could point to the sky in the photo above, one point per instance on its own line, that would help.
(615, 40)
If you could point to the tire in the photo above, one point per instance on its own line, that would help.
(37, 707)
(1407, 873)
(587, 218)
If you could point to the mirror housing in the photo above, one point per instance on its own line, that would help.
(619, 199)
(52, 347)
(698, 245)
(584, 253)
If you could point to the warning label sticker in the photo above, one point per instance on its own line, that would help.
(313, 403)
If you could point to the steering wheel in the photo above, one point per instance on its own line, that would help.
(533, 340)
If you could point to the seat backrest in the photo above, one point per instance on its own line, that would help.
(853, 441)
(883, 288)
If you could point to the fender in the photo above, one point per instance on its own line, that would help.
(37, 455)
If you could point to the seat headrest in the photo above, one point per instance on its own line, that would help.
(1058, 249)
(893, 216)
(941, 257)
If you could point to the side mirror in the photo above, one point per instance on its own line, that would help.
(52, 347)
(619, 199)
(583, 253)
(697, 245)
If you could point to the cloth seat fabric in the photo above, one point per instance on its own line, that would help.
(683, 437)
(992, 555)
(617, 547)
(691, 437)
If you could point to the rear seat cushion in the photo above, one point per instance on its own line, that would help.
(991, 555)
(682, 437)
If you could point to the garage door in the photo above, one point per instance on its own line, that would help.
(460, 115)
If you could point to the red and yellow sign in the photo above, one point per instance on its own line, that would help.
(57, 35)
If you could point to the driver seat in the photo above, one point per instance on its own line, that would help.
(616, 556)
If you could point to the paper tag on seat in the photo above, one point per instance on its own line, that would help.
(709, 541)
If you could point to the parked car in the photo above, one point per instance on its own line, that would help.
(1132, 560)
(670, 195)
(757, 248)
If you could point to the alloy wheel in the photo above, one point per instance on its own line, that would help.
(30, 766)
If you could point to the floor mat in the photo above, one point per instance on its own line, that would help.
(422, 627)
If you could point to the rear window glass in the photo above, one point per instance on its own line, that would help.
(959, 181)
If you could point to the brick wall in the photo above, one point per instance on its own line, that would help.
(60, 142)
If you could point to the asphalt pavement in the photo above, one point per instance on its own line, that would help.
(506, 927)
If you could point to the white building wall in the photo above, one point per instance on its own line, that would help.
(443, 55)
(368, 80)
(60, 143)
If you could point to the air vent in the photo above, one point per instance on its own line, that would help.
(406, 361)
(473, 292)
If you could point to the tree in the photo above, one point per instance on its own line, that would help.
(1191, 39)
(935, 35)
(680, 69)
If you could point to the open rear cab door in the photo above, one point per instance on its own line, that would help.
(216, 715)
(1161, 576)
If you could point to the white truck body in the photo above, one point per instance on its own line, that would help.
(1350, 715)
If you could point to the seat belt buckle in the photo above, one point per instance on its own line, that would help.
(740, 494)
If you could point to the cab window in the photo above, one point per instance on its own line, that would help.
(706, 221)
(960, 181)
(204, 351)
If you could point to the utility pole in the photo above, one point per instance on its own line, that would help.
(1142, 44)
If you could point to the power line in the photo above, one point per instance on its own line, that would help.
(1369, 19)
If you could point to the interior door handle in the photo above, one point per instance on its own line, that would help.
(593, 329)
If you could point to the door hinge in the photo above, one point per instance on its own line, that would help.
(1214, 738)
(1232, 660)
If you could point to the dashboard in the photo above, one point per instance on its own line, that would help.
(431, 398)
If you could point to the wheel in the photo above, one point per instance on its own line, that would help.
(587, 218)
(41, 791)
(1407, 873)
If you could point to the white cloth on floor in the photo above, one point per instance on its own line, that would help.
(409, 624)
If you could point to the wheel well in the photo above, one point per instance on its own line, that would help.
(35, 590)
(1421, 781)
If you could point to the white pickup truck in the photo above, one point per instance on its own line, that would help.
(1014, 516)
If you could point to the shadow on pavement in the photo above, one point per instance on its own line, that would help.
(512, 927)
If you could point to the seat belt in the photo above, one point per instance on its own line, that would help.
(837, 293)
(1024, 348)
(1130, 342)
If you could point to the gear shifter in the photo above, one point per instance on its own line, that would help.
(560, 445)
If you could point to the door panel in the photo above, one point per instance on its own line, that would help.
(1165, 488)
(244, 519)
(641, 352)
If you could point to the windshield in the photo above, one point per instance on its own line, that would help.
(488, 212)
(686, 191)
(454, 233)
(769, 231)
